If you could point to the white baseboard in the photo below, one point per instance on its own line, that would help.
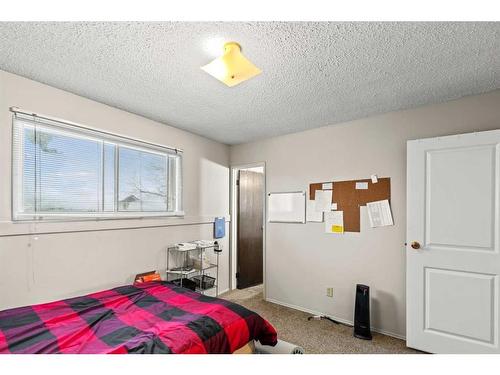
(341, 320)
(223, 291)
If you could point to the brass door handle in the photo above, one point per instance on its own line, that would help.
(415, 245)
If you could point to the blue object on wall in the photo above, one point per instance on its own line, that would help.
(219, 227)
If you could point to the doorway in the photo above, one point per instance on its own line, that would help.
(248, 230)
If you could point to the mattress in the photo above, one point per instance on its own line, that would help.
(154, 317)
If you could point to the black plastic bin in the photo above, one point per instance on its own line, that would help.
(205, 282)
(186, 283)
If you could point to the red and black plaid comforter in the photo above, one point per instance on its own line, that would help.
(156, 317)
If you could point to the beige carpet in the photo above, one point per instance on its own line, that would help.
(320, 337)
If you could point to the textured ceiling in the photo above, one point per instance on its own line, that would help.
(314, 74)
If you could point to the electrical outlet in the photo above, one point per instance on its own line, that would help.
(329, 292)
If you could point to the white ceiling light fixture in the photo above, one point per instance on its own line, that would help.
(232, 67)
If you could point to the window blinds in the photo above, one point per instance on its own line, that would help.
(70, 171)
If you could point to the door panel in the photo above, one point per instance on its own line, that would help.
(460, 197)
(460, 304)
(452, 211)
(250, 229)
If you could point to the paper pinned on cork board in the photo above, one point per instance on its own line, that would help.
(334, 222)
(323, 199)
(312, 214)
(327, 186)
(379, 213)
(361, 185)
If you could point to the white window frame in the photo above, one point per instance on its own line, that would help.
(19, 122)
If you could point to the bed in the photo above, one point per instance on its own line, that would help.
(153, 317)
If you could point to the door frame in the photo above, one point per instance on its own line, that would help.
(233, 237)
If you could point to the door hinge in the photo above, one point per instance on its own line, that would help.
(237, 182)
(237, 274)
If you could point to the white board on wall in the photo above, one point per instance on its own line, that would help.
(286, 207)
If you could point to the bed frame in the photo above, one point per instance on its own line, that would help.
(249, 348)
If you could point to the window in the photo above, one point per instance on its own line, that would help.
(62, 170)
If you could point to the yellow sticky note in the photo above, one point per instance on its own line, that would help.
(337, 229)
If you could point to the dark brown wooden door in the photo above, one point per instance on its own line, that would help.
(250, 231)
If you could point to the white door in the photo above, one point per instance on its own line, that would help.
(452, 285)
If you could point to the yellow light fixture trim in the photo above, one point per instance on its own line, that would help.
(232, 67)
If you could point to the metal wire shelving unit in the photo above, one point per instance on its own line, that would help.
(193, 266)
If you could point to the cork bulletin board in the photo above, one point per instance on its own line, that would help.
(349, 199)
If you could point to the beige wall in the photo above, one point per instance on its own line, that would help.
(47, 261)
(301, 260)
